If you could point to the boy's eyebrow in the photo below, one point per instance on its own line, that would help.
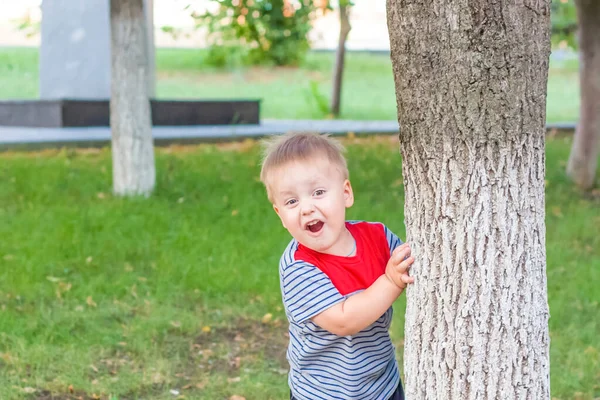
(313, 182)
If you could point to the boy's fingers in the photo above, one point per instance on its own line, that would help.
(405, 265)
(399, 249)
(401, 255)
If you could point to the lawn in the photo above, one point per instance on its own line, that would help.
(286, 93)
(178, 295)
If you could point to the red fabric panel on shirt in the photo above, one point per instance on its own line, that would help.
(349, 274)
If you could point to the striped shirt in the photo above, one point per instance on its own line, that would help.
(324, 365)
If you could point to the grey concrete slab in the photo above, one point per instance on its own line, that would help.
(14, 137)
(75, 49)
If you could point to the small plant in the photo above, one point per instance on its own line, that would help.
(28, 26)
(272, 32)
(314, 96)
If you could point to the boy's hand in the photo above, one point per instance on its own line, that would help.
(398, 266)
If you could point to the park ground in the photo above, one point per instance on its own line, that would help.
(177, 296)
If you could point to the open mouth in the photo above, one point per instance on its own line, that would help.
(315, 226)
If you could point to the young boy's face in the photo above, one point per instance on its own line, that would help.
(311, 198)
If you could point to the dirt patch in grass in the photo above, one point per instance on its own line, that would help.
(223, 351)
(226, 349)
(47, 395)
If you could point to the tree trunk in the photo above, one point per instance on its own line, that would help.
(149, 7)
(340, 56)
(584, 153)
(471, 92)
(130, 118)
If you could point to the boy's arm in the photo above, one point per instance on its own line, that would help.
(360, 310)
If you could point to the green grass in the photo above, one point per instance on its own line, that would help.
(135, 298)
(286, 93)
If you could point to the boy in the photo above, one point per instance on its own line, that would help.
(338, 278)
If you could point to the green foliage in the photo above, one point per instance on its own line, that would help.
(28, 26)
(564, 22)
(316, 97)
(227, 56)
(253, 32)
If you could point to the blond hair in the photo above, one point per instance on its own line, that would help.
(300, 146)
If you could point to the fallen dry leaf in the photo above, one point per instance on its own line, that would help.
(233, 380)
(71, 390)
(157, 378)
(206, 329)
(176, 324)
(90, 302)
(89, 259)
(234, 213)
(29, 390)
(398, 182)
(267, 318)
(236, 397)
(6, 357)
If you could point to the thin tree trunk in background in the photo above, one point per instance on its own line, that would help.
(584, 153)
(471, 81)
(149, 8)
(340, 56)
(130, 114)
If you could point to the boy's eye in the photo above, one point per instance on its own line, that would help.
(291, 202)
(319, 192)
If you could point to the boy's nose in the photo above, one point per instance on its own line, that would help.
(308, 208)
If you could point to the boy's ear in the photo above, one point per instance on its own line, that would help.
(277, 212)
(348, 194)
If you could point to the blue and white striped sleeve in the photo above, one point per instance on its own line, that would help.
(392, 239)
(306, 290)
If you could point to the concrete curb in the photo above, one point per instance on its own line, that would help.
(35, 138)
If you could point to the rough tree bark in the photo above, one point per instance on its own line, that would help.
(471, 92)
(130, 115)
(584, 153)
(340, 56)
